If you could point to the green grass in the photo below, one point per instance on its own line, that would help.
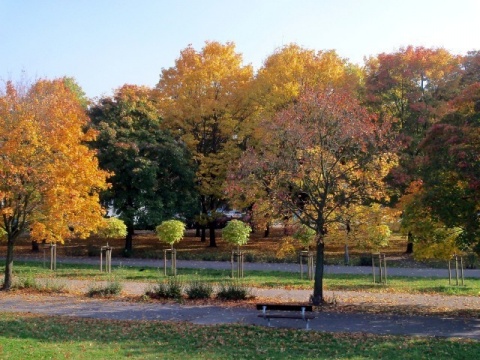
(267, 279)
(26, 336)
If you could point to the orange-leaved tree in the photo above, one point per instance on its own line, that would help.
(49, 178)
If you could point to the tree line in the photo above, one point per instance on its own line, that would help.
(309, 136)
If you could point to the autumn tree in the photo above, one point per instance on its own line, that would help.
(449, 168)
(411, 88)
(153, 178)
(49, 179)
(286, 73)
(319, 156)
(202, 101)
(292, 69)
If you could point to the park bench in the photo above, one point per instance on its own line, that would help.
(286, 311)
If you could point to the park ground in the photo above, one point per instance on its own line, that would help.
(351, 315)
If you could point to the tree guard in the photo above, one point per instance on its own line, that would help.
(237, 258)
(53, 256)
(458, 261)
(306, 256)
(382, 268)
(107, 250)
(173, 262)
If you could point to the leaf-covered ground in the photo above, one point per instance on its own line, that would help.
(28, 336)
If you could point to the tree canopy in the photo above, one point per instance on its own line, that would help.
(320, 155)
(49, 179)
(202, 101)
(153, 175)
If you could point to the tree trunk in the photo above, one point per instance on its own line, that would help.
(267, 231)
(197, 231)
(213, 242)
(346, 255)
(129, 240)
(7, 284)
(317, 297)
(203, 235)
(35, 246)
(409, 244)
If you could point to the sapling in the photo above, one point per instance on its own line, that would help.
(236, 232)
(170, 231)
(113, 227)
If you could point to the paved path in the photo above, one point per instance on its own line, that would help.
(225, 265)
(209, 315)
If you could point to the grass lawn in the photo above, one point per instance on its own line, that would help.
(27, 336)
(266, 279)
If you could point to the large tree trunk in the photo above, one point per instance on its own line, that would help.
(317, 297)
(7, 284)
(267, 231)
(203, 237)
(129, 240)
(213, 242)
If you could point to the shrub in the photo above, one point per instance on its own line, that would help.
(199, 290)
(172, 289)
(112, 288)
(29, 281)
(233, 291)
(26, 281)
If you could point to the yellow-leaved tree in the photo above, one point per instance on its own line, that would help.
(201, 100)
(49, 178)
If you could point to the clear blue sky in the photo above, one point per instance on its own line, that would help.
(107, 43)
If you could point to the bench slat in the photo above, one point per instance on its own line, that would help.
(288, 316)
(281, 307)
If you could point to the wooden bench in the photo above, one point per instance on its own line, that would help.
(283, 311)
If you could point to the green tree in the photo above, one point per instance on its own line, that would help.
(153, 175)
(202, 101)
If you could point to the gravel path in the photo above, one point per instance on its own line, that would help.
(427, 301)
(210, 315)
